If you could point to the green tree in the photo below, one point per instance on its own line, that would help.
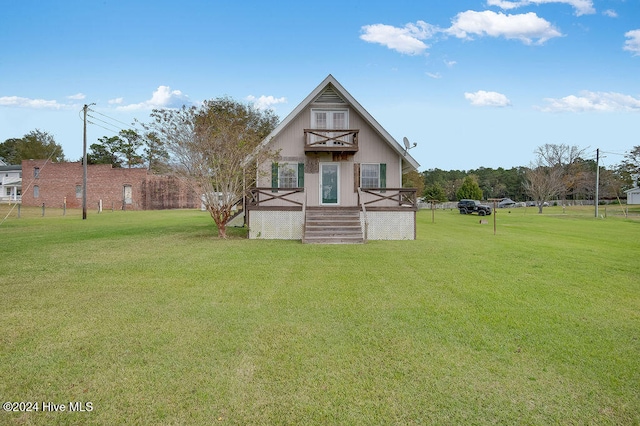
(413, 179)
(35, 145)
(469, 189)
(106, 151)
(209, 146)
(156, 154)
(130, 144)
(435, 192)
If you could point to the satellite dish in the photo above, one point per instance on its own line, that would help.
(407, 145)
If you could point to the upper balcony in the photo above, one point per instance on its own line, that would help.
(334, 140)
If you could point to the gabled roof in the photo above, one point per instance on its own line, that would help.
(331, 91)
(636, 189)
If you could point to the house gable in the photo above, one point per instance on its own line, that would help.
(330, 94)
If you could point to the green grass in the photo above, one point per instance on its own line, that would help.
(152, 319)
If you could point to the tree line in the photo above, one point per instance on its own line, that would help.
(558, 170)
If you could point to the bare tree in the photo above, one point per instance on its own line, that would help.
(208, 147)
(552, 155)
(542, 183)
(564, 157)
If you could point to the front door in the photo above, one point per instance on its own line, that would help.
(329, 183)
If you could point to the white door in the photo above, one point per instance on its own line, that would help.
(329, 184)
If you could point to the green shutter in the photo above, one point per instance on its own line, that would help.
(383, 175)
(300, 175)
(274, 175)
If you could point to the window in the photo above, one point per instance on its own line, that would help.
(127, 194)
(36, 191)
(373, 175)
(287, 175)
(370, 175)
(36, 172)
(330, 120)
(78, 191)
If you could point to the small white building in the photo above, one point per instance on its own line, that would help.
(10, 183)
(633, 195)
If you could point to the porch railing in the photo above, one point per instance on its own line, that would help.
(343, 140)
(388, 197)
(275, 197)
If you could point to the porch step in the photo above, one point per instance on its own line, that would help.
(333, 226)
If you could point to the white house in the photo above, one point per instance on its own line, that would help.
(338, 178)
(10, 183)
(633, 195)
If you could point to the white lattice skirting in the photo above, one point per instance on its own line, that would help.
(288, 225)
(276, 225)
(393, 225)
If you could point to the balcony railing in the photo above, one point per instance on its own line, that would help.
(335, 140)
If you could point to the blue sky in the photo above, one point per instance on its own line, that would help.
(474, 83)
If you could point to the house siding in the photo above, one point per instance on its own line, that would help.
(372, 149)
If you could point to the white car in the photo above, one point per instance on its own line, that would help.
(506, 202)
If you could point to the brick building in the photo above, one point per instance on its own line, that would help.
(53, 184)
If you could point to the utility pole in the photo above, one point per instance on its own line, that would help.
(84, 164)
(597, 178)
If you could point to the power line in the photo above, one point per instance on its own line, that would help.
(96, 124)
(111, 118)
(105, 122)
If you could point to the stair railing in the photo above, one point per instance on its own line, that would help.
(364, 214)
(304, 213)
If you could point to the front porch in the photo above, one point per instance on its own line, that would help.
(283, 213)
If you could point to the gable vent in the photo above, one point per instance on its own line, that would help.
(329, 96)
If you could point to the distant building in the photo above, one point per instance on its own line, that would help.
(633, 195)
(54, 184)
(10, 183)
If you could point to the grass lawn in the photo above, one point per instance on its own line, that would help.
(151, 319)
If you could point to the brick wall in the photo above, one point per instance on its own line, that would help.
(56, 182)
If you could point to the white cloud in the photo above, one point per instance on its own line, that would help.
(406, 40)
(633, 44)
(163, 97)
(582, 7)
(17, 101)
(116, 101)
(483, 98)
(450, 63)
(265, 102)
(610, 13)
(524, 27)
(593, 101)
(434, 75)
(77, 97)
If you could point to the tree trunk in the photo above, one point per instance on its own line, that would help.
(220, 218)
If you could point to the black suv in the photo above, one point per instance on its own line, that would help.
(473, 206)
